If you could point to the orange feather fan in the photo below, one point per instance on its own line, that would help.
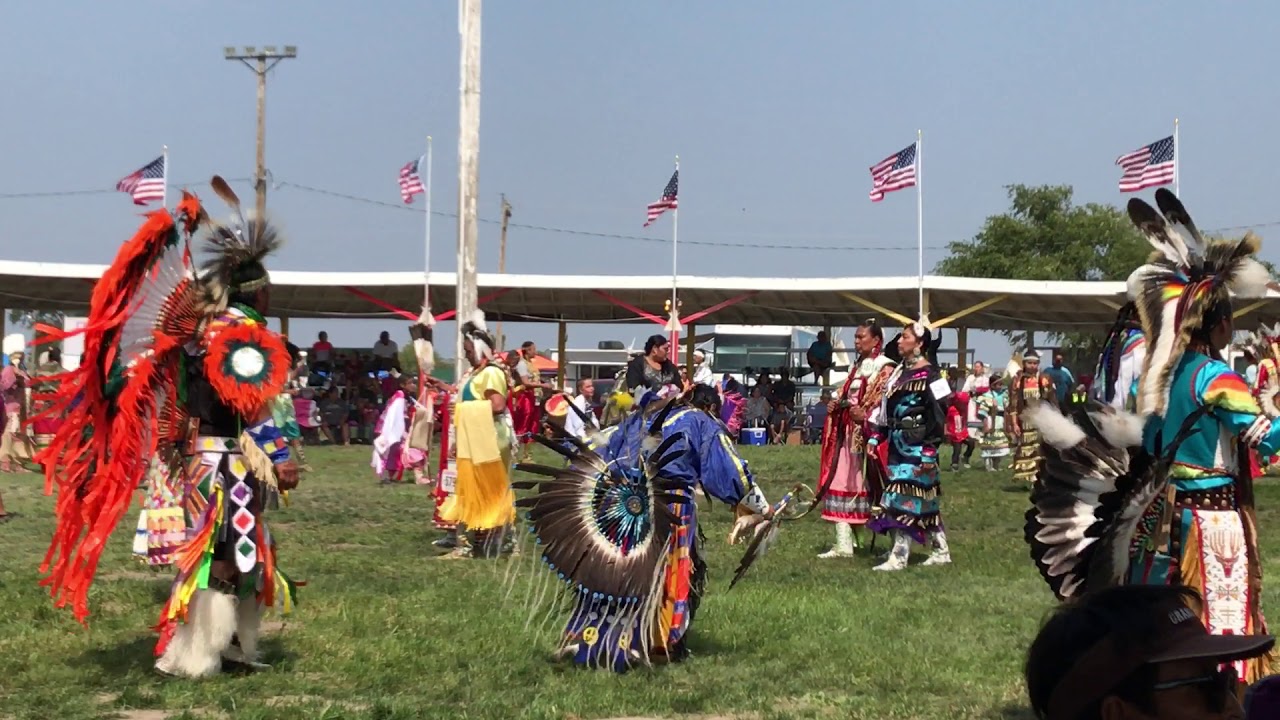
(112, 404)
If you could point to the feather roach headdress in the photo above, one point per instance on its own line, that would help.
(236, 251)
(477, 332)
(1185, 281)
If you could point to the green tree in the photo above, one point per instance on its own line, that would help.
(1044, 236)
(29, 318)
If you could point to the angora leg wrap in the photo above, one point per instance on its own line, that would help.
(248, 621)
(196, 648)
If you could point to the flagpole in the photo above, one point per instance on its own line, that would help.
(426, 250)
(164, 154)
(1177, 176)
(675, 227)
(920, 220)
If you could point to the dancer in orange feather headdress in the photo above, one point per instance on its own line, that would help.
(179, 365)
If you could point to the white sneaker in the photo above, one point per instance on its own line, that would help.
(938, 559)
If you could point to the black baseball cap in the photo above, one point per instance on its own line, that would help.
(1178, 634)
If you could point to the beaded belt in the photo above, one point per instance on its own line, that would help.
(1219, 498)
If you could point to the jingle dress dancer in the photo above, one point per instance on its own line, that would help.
(179, 359)
(619, 527)
(992, 405)
(1027, 391)
(1165, 496)
(911, 423)
(855, 478)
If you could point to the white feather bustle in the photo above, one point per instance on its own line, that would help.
(1055, 428)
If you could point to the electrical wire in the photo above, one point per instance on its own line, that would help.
(610, 236)
(99, 191)
(569, 231)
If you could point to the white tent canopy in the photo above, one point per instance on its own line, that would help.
(976, 303)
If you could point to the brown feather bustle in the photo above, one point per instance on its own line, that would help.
(569, 538)
(1089, 499)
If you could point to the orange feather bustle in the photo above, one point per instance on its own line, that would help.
(104, 445)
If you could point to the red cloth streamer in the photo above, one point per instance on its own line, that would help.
(384, 305)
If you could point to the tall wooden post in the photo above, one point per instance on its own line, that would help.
(562, 360)
(502, 257)
(831, 340)
(468, 165)
(962, 352)
(690, 344)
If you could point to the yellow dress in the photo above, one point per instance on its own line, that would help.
(482, 498)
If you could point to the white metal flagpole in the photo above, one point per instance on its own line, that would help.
(920, 220)
(675, 217)
(1177, 175)
(426, 250)
(164, 154)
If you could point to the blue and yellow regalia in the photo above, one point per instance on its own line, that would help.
(619, 528)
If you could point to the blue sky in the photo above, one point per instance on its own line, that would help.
(776, 110)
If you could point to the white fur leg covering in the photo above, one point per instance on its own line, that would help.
(248, 622)
(196, 648)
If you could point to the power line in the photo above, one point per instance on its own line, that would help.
(611, 236)
(570, 231)
(100, 191)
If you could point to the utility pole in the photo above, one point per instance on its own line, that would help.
(502, 255)
(264, 59)
(468, 164)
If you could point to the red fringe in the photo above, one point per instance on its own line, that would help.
(104, 445)
(245, 398)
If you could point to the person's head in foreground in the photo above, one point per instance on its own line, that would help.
(1135, 652)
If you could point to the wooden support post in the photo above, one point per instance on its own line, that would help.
(562, 362)
(1241, 312)
(689, 343)
(826, 374)
(284, 326)
(962, 351)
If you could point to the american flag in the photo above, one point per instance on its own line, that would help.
(895, 172)
(668, 200)
(1148, 166)
(411, 182)
(145, 184)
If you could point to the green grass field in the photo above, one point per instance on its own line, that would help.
(386, 631)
